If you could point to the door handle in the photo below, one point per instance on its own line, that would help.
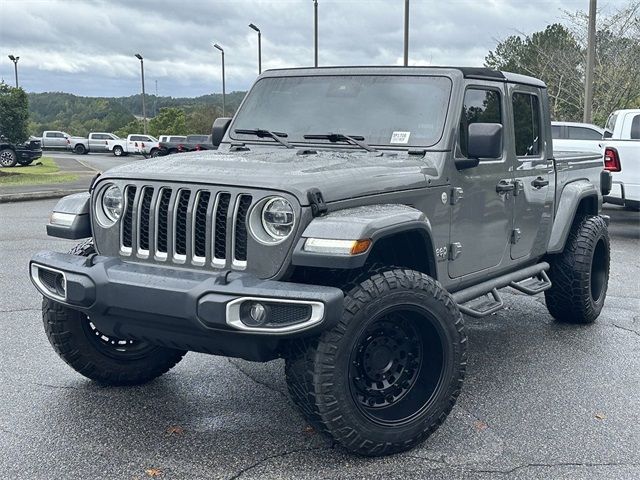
(539, 183)
(505, 186)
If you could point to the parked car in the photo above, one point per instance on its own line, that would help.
(622, 157)
(171, 138)
(339, 227)
(135, 144)
(580, 137)
(189, 143)
(54, 139)
(25, 153)
(95, 142)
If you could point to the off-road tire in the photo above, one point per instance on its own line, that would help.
(318, 370)
(118, 151)
(68, 333)
(580, 274)
(8, 158)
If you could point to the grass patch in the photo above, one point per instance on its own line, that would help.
(44, 170)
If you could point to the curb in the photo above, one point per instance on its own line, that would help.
(26, 197)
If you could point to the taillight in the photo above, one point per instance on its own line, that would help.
(612, 160)
(198, 148)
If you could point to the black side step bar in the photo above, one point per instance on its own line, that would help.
(474, 302)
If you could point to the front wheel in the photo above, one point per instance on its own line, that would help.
(388, 374)
(8, 158)
(97, 356)
(580, 274)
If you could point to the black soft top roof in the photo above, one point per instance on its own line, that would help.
(479, 73)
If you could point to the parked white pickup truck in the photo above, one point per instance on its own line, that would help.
(135, 143)
(622, 157)
(95, 142)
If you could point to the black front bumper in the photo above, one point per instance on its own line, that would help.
(178, 308)
(26, 154)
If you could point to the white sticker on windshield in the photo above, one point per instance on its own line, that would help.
(400, 137)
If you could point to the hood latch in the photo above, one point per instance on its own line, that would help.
(318, 206)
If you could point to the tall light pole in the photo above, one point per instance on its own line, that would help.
(315, 32)
(253, 27)
(406, 33)
(15, 66)
(215, 45)
(591, 54)
(155, 103)
(144, 108)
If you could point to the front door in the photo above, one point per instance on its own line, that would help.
(481, 211)
(533, 193)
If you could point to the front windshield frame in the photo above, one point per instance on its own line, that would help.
(232, 136)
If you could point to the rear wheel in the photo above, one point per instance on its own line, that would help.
(386, 377)
(580, 274)
(105, 359)
(8, 158)
(118, 151)
(80, 149)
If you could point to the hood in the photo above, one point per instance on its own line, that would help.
(337, 174)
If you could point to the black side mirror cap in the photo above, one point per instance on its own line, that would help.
(219, 129)
(484, 141)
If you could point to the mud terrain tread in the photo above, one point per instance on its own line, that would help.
(311, 371)
(61, 325)
(569, 299)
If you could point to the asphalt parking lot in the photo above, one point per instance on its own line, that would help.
(541, 400)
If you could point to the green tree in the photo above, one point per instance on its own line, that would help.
(200, 119)
(557, 55)
(170, 121)
(552, 55)
(14, 113)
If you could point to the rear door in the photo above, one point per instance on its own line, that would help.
(533, 169)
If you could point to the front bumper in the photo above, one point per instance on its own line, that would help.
(181, 309)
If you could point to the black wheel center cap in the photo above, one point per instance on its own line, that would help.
(379, 359)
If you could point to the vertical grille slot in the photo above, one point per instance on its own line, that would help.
(182, 205)
(144, 217)
(220, 232)
(162, 221)
(127, 221)
(200, 225)
(240, 228)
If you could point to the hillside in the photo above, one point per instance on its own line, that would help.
(81, 115)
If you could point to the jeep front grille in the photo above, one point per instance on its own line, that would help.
(193, 226)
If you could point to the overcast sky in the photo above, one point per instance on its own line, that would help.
(87, 47)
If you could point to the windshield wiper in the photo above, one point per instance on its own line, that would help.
(339, 137)
(262, 133)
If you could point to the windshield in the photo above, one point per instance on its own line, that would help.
(387, 110)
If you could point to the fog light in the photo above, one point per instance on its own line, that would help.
(253, 314)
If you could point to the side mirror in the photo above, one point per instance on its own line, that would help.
(219, 129)
(484, 141)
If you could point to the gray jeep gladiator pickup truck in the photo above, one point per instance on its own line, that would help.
(348, 219)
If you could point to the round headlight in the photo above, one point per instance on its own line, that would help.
(278, 218)
(112, 203)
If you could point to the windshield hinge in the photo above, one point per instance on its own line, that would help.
(318, 207)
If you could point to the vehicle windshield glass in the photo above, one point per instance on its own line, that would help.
(387, 110)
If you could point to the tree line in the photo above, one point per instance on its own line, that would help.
(167, 115)
(557, 55)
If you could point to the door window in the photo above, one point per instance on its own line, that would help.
(635, 128)
(582, 133)
(526, 124)
(480, 106)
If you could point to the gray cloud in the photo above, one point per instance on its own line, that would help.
(87, 47)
